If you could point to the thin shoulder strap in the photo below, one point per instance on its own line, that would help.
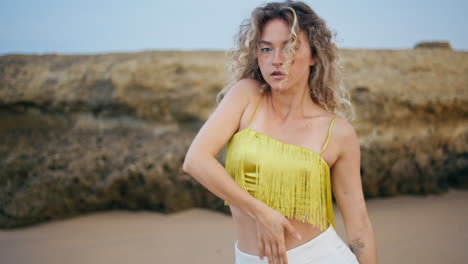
(329, 133)
(256, 109)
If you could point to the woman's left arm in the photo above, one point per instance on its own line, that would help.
(347, 190)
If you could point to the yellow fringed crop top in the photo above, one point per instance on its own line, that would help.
(291, 179)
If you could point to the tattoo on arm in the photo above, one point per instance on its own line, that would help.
(356, 246)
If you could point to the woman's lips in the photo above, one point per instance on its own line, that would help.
(278, 75)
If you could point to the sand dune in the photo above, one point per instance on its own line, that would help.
(409, 229)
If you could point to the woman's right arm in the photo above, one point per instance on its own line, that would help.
(200, 161)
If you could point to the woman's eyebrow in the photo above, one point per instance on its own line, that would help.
(269, 43)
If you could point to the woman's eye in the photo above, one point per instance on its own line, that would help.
(265, 49)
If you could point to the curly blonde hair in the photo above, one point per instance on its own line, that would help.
(326, 87)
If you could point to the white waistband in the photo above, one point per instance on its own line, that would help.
(319, 245)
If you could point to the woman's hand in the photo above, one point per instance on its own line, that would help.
(271, 226)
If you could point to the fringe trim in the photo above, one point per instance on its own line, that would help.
(288, 178)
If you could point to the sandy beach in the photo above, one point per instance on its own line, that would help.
(409, 229)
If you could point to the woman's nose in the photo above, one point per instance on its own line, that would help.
(278, 57)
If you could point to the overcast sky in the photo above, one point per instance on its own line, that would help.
(88, 27)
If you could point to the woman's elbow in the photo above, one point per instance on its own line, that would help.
(186, 166)
(191, 160)
(195, 158)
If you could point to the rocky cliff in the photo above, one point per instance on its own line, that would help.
(80, 133)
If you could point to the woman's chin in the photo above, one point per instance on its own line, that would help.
(279, 86)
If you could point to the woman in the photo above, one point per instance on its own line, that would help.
(279, 109)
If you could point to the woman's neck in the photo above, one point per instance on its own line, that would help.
(292, 104)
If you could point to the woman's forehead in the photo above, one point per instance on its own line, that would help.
(275, 30)
(276, 34)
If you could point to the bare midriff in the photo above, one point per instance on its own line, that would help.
(246, 231)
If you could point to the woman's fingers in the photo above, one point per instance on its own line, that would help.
(276, 254)
(269, 253)
(277, 251)
(281, 249)
(271, 230)
(261, 248)
(292, 230)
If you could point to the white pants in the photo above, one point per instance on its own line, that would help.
(327, 247)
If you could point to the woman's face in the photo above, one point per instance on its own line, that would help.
(271, 56)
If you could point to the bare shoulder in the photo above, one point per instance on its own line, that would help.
(223, 121)
(247, 88)
(244, 93)
(344, 127)
(345, 134)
